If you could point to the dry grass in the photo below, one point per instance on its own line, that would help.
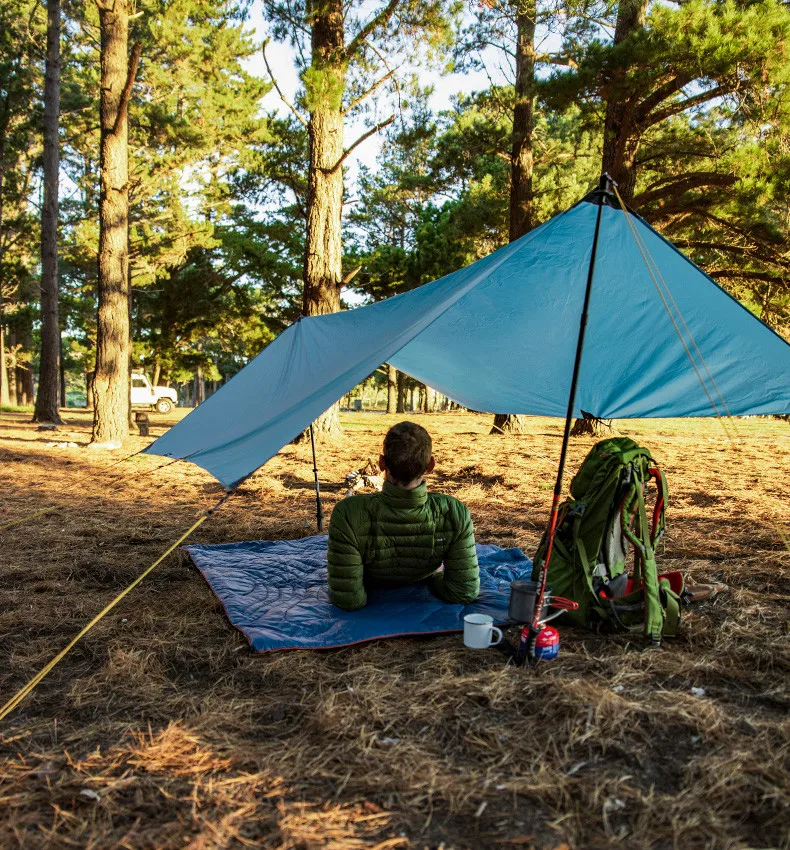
(161, 730)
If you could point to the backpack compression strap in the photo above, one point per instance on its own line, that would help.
(646, 573)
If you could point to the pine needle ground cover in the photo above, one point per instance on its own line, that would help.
(162, 730)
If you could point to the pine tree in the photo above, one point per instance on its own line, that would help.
(46, 409)
(196, 112)
(21, 29)
(113, 349)
(348, 48)
(669, 62)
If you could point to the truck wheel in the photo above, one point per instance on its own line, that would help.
(164, 405)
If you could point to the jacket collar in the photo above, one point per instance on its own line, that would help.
(399, 498)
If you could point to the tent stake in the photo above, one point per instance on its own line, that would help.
(603, 189)
(319, 510)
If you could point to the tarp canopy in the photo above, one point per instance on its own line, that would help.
(500, 335)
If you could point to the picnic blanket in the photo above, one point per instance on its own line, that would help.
(275, 593)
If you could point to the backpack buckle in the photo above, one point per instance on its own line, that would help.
(578, 509)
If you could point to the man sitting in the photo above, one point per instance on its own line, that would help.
(404, 534)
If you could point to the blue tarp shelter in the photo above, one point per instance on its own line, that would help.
(501, 335)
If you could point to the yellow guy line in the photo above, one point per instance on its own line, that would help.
(24, 691)
(647, 258)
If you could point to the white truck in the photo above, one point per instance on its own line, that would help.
(162, 399)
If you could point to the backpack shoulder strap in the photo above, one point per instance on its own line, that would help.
(654, 616)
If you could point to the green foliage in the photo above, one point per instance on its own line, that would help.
(203, 263)
(22, 35)
(323, 88)
(376, 37)
(439, 199)
(705, 83)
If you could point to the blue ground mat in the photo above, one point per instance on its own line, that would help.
(275, 593)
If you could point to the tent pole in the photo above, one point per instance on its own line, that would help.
(319, 510)
(603, 189)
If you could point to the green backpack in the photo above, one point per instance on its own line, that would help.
(604, 518)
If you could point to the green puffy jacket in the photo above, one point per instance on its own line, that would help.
(401, 537)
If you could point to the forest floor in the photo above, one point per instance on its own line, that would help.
(162, 730)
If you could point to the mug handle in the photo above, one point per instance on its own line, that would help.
(499, 632)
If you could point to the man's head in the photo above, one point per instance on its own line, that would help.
(407, 454)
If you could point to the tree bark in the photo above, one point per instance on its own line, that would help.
(427, 397)
(324, 87)
(46, 409)
(15, 391)
(25, 381)
(508, 423)
(5, 398)
(111, 379)
(620, 143)
(62, 370)
(200, 386)
(592, 426)
(521, 157)
(392, 389)
(401, 405)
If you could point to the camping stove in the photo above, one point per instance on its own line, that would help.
(547, 644)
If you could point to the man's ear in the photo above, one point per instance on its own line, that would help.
(431, 465)
(382, 463)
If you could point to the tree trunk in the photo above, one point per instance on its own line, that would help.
(620, 143)
(324, 87)
(5, 398)
(25, 380)
(401, 406)
(521, 158)
(62, 371)
(200, 386)
(427, 394)
(592, 426)
(111, 379)
(15, 391)
(392, 389)
(46, 409)
(508, 423)
(521, 210)
(157, 373)
(89, 400)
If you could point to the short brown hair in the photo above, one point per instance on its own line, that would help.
(407, 451)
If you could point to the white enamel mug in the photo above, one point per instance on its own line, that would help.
(478, 631)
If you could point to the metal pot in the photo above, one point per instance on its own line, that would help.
(522, 601)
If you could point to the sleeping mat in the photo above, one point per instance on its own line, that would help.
(275, 593)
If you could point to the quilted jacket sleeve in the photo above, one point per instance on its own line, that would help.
(344, 562)
(460, 580)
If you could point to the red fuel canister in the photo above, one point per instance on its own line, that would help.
(547, 644)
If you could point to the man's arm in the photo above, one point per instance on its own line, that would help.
(344, 563)
(460, 581)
